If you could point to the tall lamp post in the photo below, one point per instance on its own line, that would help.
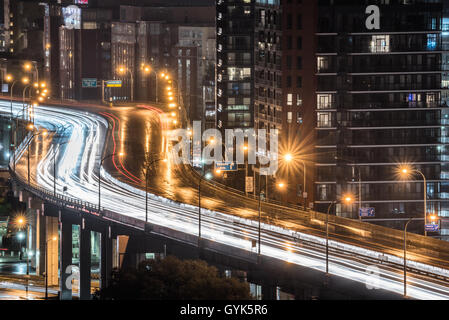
(123, 70)
(146, 183)
(288, 158)
(148, 70)
(10, 78)
(405, 256)
(99, 176)
(404, 172)
(44, 133)
(348, 200)
(32, 65)
(46, 265)
(55, 176)
(206, 176)
(22, 222)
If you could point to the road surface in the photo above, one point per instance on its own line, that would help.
(80, 140)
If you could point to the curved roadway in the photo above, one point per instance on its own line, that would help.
(81, 137)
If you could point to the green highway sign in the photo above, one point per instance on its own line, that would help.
(89, 83)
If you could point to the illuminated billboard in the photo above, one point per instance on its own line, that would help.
(72, 17)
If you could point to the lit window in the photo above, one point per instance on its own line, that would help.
(380, 43)
(431, 41)
(324, 119)
(289, 117)
(289, 99)
(298, 100)
(324, 101)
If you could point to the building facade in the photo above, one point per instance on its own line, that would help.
(299, 20)
(381, 103)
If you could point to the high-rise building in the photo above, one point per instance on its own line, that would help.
(249, 64)
(382, 100)
(249, 77)
(299, 20)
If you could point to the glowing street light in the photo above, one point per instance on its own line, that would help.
(405, 171)
(288, 157)
(348, 199)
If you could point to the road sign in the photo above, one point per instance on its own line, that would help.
(114, 83)
(367, 212)
(249, 184)
(432, 227)
(89, 83)
(226, 166)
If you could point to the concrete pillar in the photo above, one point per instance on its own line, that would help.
(115, 253)
(122, 244)
(85, 261)
(40, 241)
(106, 257)
(66, 261)
(52, 250)
(269, 292)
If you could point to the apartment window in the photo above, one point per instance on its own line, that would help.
(289, 62)
(322, 191)
(298, 117)
(299, 22)
(299, 62)
(299, 43)
(322, 63)
(380, 43)
(298, 82)
(324, 119)
(324, 101)
(289, 99)
(239, 73)
(289, 21)
(289, 117)
(289, 42)
(431, 41)
(289, 81)
(298, 100)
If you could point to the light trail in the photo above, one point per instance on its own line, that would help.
(77, 169)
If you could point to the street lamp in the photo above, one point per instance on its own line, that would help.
(44, 133)
(22, 222)
(46, 265)
(348, 199)
(32, 65)
(10, 78)
(405, 171)
(289, 158)
(55, 176)
(99, 176)
(146, 183)
(148, 70)
(405, 256)
(206, 176)
(123, 70)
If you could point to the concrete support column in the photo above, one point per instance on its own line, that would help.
(106, 257)
(40, 242)
(66, 261)
(52, 250)
(122, 245)
(269, 292)
(85, 262)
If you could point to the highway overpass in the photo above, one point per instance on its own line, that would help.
(360, 253)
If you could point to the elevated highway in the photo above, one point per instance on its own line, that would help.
(82, 135)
